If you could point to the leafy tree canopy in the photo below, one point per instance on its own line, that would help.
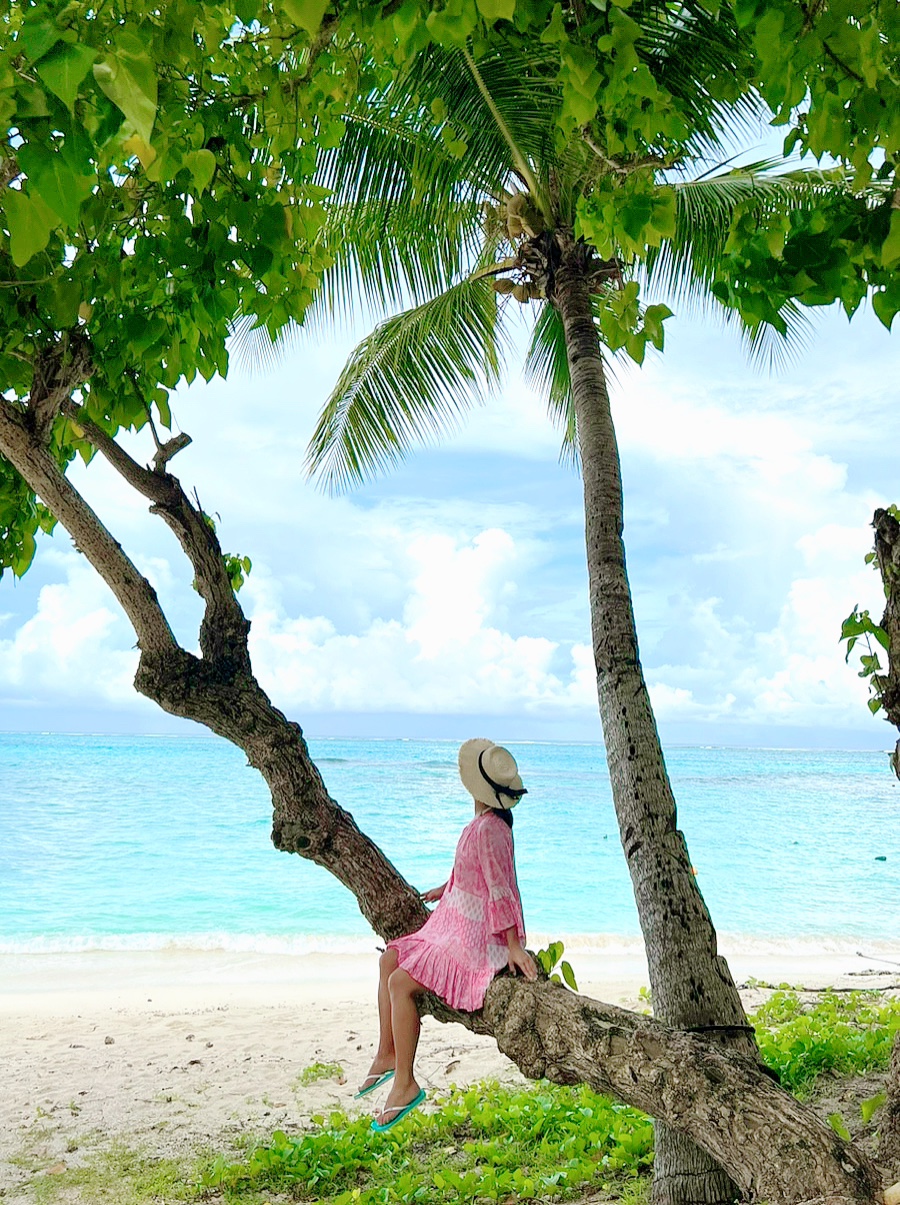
(158, 160)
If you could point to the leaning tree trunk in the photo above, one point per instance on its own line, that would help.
(691, 983)
(773, 1147)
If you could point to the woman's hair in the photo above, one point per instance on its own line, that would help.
(505, 815)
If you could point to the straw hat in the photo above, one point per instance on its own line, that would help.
(490, 774)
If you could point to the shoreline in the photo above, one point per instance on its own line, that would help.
(174, 974)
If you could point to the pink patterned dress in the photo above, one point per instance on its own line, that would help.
(461, 946)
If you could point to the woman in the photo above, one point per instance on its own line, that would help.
(476, 929)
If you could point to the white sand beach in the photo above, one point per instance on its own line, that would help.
(178, 1051)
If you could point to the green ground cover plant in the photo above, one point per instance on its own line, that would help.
(318, 1071)
(495, 1143)
(487, 1142)
(845, 1033)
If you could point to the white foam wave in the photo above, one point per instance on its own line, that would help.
(238, 943)
(603, 945)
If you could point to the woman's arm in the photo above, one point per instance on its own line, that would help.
(519, 958)
(432, 896)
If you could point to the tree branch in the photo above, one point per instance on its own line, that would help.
(633, 165)
(58, 370)
(27, 453)
(810, 13)
(9, 169)
(887, 553)
(224, 630)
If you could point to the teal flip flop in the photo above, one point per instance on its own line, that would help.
(401, 1111)
(378, 1081)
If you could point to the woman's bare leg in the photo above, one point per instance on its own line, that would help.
(384, 1055)
(403, 990)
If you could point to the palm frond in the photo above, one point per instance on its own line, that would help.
(385, 258)
(685, 265)
(690, 50)
(516, 118)
(684, 268)
(768, 348)
(546, 370)
(405, 211)
(408, 381)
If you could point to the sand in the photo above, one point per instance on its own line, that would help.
(177, 1052)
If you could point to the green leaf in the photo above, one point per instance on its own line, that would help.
(30, 223)
(31, 101)
(886, 303)
(871, 1105)
(161, 397)
(66, 300)
(51, 178)
(63, 69)
(839, 1126)
(890, 248)
(37, 37)
(307, 14)
(202, 166)
(662, 214)
(497, 10)
(569, 975)
(128, 78)
(22, 561)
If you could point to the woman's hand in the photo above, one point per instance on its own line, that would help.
(432, 896)
(520, 960)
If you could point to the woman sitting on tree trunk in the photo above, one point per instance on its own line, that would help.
(476, 929)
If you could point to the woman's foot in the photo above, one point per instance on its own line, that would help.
(378, 1074)
(399, 1097)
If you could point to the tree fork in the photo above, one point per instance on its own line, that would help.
(28, 455)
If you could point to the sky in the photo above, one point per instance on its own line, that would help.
(448, 598)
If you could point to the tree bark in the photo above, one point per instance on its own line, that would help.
(887, 552)
(691, 983)
(889, 1126)
(772, 1145)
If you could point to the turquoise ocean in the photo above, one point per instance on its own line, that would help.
(124, 842)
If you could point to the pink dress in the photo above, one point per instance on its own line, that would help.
(460, 948)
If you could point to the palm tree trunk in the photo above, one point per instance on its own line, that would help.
(691, 983)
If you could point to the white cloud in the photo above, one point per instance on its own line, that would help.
(459, 584)
(446, 653)
(75, 646)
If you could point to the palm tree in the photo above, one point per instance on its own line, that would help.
(452, 201)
